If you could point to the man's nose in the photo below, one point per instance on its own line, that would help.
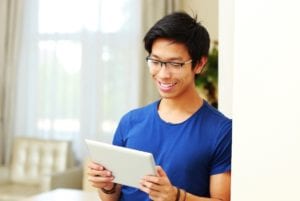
(164, 71)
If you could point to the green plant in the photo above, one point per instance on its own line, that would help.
(207, 81)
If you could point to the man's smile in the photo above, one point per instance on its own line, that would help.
(164, 86)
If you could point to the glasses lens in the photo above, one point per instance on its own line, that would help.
(174, 66)
(155, 65)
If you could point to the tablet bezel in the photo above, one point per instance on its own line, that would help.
(127, 165)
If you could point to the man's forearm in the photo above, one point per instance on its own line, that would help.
(191, 197)
(185, 196)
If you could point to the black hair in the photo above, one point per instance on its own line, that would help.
(182, 28)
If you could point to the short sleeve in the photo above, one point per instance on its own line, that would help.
(121, 131)
(221, 161)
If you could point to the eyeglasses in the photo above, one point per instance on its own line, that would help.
(156, 65)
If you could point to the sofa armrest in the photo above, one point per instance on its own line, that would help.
(4, 174)
(70, 178)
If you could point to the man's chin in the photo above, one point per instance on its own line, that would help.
(166, 96)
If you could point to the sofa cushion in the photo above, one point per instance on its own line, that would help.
(33, 158)
(13, 192)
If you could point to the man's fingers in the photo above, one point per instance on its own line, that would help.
(104, 173)
(100, 179)
(160, 171)
(149, 185)
(153, 179)
(95, 166)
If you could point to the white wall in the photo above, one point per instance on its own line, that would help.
(226, 38)
(266, 97)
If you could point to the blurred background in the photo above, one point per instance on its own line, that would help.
(69, 70)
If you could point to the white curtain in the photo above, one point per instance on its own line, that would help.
(10, 28)
(82, 67)
(152, 10)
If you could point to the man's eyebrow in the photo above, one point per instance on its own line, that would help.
(168, 59)
(154, 56)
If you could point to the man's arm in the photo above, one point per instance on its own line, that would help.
(219, 189)
(160, 188)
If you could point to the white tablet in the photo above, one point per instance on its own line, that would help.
(127, 165)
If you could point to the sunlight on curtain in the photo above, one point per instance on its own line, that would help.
(79, 68)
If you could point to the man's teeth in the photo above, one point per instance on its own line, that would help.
(166, 85)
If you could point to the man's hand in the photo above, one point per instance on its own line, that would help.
(158, 187)
(99, 176)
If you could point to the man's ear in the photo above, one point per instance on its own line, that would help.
(200, 65)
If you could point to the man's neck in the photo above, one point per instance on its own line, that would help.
(176, 110)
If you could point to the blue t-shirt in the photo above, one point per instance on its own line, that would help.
(190, 151)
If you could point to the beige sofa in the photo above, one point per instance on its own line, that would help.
(37, 166)
(86, 185)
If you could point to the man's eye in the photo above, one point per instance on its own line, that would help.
(155, 62)
(174, 64)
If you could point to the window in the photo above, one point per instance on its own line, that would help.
(74, 75)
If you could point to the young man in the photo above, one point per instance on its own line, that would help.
(189, 139)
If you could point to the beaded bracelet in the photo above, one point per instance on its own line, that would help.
(110, 191)
(184, 197)
(178, 194)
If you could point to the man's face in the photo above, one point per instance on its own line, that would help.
(172, 82)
